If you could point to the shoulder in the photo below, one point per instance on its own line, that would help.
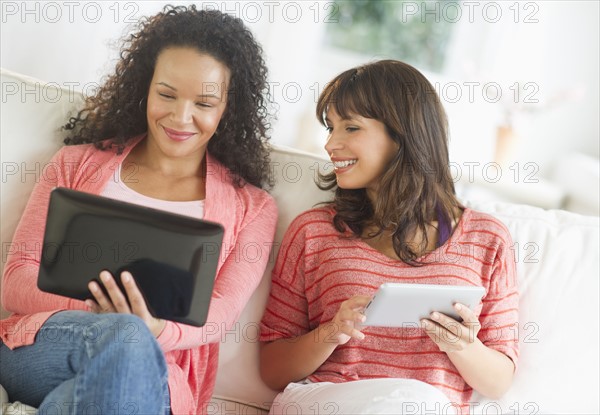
(86, 166)
(249, 200)
(323, 213)
(309, 231)
(247, 196)
(73, 163)
(254, 199)
(76, 152)
(86, 152)
(485, 227)
(314, 222)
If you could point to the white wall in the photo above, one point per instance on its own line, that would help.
(75, 43)
(552, 45)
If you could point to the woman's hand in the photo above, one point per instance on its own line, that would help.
(116, 302)
(343, 326)
(486, 370)
(449, 334)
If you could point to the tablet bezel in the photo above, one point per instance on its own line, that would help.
(404, 305)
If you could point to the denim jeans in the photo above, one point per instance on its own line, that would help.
(88, 363)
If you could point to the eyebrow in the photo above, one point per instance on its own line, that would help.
(199, 96)
(327, 120)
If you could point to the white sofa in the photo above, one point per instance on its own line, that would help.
(557, 254)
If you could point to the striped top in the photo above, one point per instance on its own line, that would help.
(318, 268)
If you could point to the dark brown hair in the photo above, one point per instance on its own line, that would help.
(416, 187)
(118, 108)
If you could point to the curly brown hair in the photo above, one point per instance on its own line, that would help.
(117, 110)
(417, 186)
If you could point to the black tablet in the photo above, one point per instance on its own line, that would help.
(173, 258)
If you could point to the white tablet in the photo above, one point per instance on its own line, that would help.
(404, 305)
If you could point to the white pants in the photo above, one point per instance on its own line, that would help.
(372, 396)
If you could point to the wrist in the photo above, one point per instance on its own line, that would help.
(468, 350)
(327, 335)
(158, 327)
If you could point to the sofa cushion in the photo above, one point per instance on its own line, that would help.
(559, 269)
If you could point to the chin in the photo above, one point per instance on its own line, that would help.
(348, 186)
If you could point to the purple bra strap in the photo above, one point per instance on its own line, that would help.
(444, 227)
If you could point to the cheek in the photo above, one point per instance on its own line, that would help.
(156, 110)
(210, 121)
(381, 157)
(389, 151)
(391, 155)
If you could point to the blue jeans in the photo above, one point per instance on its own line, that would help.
(88, 363)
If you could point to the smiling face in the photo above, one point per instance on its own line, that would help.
(360, 149)
(186, 100)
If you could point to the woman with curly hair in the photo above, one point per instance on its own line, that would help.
(181, 126)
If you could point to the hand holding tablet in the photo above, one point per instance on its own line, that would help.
(405, 305)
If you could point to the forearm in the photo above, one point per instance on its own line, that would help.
(220, 322)
(224, 311)
(289, 360)
(21, 295)
(486, 370)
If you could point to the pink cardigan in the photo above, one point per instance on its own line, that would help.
(248, 215)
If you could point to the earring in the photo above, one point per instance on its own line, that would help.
(140, 104)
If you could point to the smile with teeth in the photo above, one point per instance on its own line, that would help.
(342, 164)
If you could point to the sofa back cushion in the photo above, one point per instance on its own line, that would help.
(33, 113)
(556, 252)
(295, 191)
(558, 268)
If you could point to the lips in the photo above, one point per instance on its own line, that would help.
(177, 135)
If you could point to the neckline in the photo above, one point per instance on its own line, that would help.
(216, 190)
(128, 189)
(457, 233)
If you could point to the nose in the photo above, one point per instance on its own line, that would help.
(183, 112)
(333, 143)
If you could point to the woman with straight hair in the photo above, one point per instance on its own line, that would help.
(394, 217)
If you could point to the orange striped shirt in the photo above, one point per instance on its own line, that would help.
(318, 268)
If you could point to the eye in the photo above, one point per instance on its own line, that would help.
(351, 129)
(203, 105)
(167, 96)
(329, 129)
